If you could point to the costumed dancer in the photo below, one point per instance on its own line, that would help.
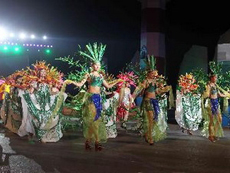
(42, 103)
(160, 130)
(3, 88)
(150, 106)
(125, 101)
(11, 110)
(110, 110)
(93, 126)
(188, 112)
(212, 114)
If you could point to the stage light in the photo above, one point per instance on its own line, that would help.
(22, 36)
(47, 51)
(32, 36)
(11, 34)
(3, 33)
(44, 37)
(16, 49)
(5, 48)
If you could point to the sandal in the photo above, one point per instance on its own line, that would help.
(87, 146)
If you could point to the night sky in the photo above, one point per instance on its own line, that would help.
(68, 23)
(116, 23)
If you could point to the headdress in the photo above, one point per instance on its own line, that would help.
(161, 79)
(128, 77)
(94, 52)
(40, 65)
(2, 81)
(187, 82)
(150, 62)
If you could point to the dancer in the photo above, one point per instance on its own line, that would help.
(41, 104)
(150, 107)
(213, 118)
(93, 125)
(11, 110)
(125, 101)
(188, 112)
(163, 99)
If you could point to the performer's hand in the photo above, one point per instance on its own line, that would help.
(119, 80)
(68, 81)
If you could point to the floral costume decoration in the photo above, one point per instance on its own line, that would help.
(212, 95)
(40, 108)
(125, 98)
(150, 107)
(188, 112)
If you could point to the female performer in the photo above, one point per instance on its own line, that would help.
(150, 107)
(188, 112)
(214, 117)
(93, 125)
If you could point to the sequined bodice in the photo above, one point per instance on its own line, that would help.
(213, 90)
(151, 88)
(96, 80)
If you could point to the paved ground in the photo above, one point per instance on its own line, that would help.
(179, 153)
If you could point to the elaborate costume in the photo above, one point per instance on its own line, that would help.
(150, 109)
(11, 110)
(92, 113)
(110, 110)
(125, 102)
(212, 127)
(160, 130)
(188, 112)
(40, 101)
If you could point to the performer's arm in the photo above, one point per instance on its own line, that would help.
(80, 84)
(206, 92)
(110, 85)
(138, 89)
(163, 90)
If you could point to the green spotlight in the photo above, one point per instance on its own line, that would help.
(17, 49)
(5, 49)
(47, 51)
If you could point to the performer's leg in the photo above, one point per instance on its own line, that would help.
(98, 146)
(150, 126)
(126, 114)
(211, 128)
(217, 125)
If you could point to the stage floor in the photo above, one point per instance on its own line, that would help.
(178, 153)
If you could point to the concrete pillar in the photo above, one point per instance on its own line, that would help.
(153, 30)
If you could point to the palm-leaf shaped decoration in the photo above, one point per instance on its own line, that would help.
(93, 52)
(216, 68)
(138, 71)
(150, 62)
(69, 60)
(201, 78)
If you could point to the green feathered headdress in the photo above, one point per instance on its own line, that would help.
(93, 52)
(150, 62)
